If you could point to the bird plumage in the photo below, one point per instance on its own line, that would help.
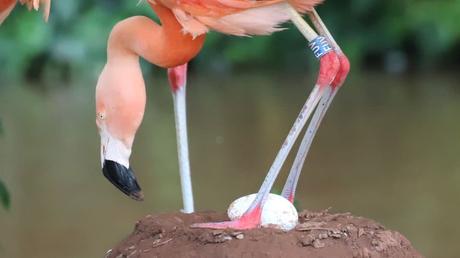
(234, 17)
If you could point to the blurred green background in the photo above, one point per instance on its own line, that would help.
(387, 150)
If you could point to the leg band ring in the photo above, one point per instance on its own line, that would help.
(320, 46)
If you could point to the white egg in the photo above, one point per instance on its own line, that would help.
(277, 212)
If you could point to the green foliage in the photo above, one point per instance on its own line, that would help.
(4, 195)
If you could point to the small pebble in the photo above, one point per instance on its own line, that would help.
(217, 232)
(350, 228)
(236, 233)
(240, 236)
(322, 236)
(318, 244)
(335, 234)
(360, 232)
(307, 240)
(226, 238)
(375, 242)
(108, 253)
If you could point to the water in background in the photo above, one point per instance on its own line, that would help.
(388, 149)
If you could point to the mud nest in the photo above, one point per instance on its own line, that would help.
(319, 234)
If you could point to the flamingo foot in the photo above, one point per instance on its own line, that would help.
(249, 220)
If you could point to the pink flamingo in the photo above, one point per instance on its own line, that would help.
(120, 91)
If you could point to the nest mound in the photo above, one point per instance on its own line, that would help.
(319, 234)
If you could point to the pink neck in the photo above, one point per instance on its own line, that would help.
(165, 46)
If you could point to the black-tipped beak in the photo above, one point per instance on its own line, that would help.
(123, 178)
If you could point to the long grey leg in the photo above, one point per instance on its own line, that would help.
(291, 183)
(300, 122)
(323, 30)
(293, 178)
(178, 82)
(327, 74)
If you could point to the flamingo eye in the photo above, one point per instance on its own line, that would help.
(100, 116)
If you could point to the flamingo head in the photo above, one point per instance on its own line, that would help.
(120, 103)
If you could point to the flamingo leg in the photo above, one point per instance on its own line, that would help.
(344, 62)
(293, 178)
(330, 75)
(329, 66)
(178, 80)
(252, 216)
(294, 174)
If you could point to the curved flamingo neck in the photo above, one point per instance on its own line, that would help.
(166, 46)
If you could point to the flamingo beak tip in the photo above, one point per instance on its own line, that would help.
(123, 178)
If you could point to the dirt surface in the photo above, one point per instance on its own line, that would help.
(319, 234)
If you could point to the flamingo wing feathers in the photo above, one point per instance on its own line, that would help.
(234, 17)
(218, 8)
